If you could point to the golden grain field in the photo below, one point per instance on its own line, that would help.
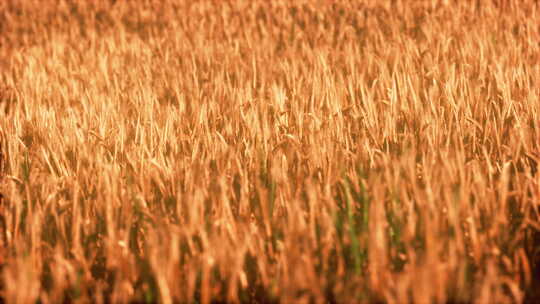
(260, 151)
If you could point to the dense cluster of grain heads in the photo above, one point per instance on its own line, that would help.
(269, 151)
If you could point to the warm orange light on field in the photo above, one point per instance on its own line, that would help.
(269, 151)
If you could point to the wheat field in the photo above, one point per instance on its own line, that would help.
(269, 151)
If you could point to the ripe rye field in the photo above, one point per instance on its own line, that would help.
(269, 151)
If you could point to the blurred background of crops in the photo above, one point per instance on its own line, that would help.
(269, 151)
